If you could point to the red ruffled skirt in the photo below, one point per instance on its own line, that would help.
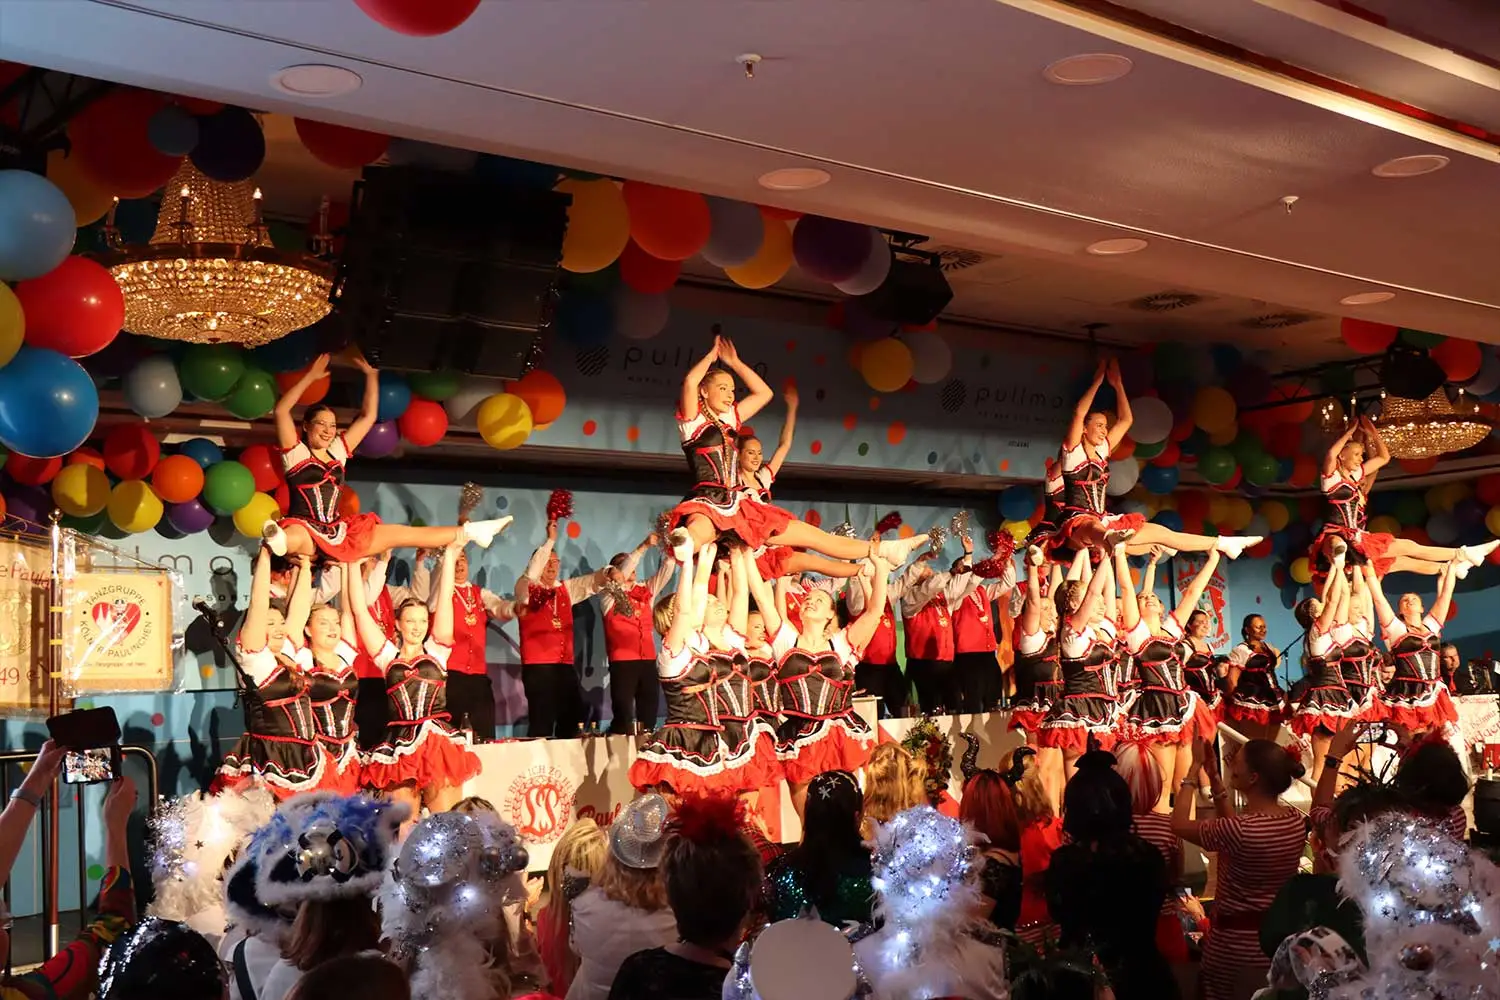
(425, 754)
(343, 767)
(808, 747)
(1062, 538)
(756, 764)
(684, 758)
(772, 562)
(755, 523)
(1193, 722)
(346, 540)
(1419, 715)
(1071, 739)
(1364, 547)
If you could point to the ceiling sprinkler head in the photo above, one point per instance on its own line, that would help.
(1289, 201)
(748, 62)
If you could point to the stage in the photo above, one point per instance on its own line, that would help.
(541, 786)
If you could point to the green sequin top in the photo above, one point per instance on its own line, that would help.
(791, 893)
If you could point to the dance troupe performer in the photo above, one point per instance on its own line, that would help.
(630, 638)
(544, 605)
(471, 693)
(315, 461)
(1348, 474)
(879, 673)
(1255, 704)
(1416, 697)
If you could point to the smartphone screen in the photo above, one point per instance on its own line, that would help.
(89, 767)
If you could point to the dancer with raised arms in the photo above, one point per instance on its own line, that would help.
(1415, 698)
(1326, 706)
(544, 605)
(316, 460)
(1087, 709)
(630, 638)
(326, 656)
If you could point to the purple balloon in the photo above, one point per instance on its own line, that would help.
(189, 518)
(29, 503)
(830, 249)
(381, 441)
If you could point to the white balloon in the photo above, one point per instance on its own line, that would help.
(873, 273)
(1153, 420)
(1122, 476)
(931, 357)
(462, 404)
(639, 316)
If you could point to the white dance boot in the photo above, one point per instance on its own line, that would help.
(1233, 546)
(482, 533)
(1460, 565)
(1035, 556)
(274, 538)
(896, 550)
(682, 545)
(1474, 555)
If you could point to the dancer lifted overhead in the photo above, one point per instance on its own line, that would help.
(709, 421)
(1085, 472)
(315, 460)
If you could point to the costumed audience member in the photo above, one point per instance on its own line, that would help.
(828, 873)
(575, 864)
(161, 960)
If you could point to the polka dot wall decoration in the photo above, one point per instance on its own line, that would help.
(905, 531)
(206, 672)
(632, 434)
(503, 503)
(813, 518)
(589, 427)
(157, 718)
(864, 448)
(850, 420)
(820, 394)
(932, 458)
(95, 872)
(574, 530)
(816, 447)
(874, 403)
(896, 432)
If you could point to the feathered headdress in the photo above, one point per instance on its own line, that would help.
(192, 839)
(560, 505)
(704, 818)
(925, 882)
(442, 902)
(890, 522)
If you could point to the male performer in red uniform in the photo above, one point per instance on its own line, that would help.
(974, 642)
(928, 622)
(630, 640)
(544, 605)
(471, 693)
(879, 672)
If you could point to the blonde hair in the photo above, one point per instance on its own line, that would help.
(894, 783)
(641, 888)
(582, 848)
(1032, 802)
(663, 613)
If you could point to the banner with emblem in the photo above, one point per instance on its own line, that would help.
(25, 568)
(117, 633)
(1215, 599)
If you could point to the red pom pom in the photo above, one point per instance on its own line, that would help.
(1294, 751)
(890, 522)
(1004, 546)
(705, 818)
(538, 598)
(560, 505)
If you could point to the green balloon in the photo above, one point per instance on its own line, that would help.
(112, 531)
(1410, 510)
(1173, 362)
(438, 386)
(86, 525)
(211, 371)
(1246, 447)
(1217, 465)
(227, 486)
(1149, 450)
(1261, 469)
(1421, 338)
(253, 396)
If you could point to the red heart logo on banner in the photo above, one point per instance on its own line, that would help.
(119, 615)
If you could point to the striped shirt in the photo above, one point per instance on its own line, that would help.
(1156, 830)
(1257, 854)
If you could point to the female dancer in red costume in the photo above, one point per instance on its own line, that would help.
(1085, 471)
(1358, 657)
(1326, 706)
(424, 759)
(1166, 714)
(709, 421)
(1038, 677)
(325, 656)
(750, 759)
(1256, 704)
(1348, 474)
(1203, 670)
(1087, 652)
(315, 461)
(1416, 697)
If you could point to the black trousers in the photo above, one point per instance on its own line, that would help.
(634, 693)
(936, 682)
(554, 703)
(371, 712)
(978, 680)
(471, 703)
(886, 682)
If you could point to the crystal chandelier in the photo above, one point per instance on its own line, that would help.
(1426, 428)
(210, 274)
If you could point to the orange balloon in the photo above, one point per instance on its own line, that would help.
(771, 263)
(348, 502)
(784, 214)
(313, 394)
(543, 393)
(177, 479)
(667, 223)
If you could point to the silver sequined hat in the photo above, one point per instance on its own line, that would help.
(637, 838)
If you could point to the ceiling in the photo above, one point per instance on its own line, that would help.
(933, 119)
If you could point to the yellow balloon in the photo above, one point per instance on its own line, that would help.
(133, 507)
(1491, 521)
(90, 202)
(1385, 524)
(886, 364)
(1218, 508)
(1301, 570)
(1440, 500)
(771, 263)
(1019, 530)
(12, 324)
(504, 421)
(1277, 514)
(598, 225)
(1238, 516)
(1226, 435)
(81, 490)
(251, 518)
(1213, 409)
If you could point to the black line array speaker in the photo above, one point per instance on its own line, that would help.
(914, 293)
(440, 270)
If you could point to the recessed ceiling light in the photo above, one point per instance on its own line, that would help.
(316, 80)
(1411, 166)
(1113, 248)
(795, 179)
(1366, 298)
(1089, 69)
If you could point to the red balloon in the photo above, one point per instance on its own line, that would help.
(1416, 534)
(1366, 337)
(1192, 505)
(113, 147)
(424, 423)
(348, 502)
(1304, 471)
(75, 309)
(1417, 466)
(419, 17)
(1296, 407)
(197, 106)
(87, 456)
(32, 471)
(283, 496)
(1170, 455)
(265, 465)
(1125, 450)
(667, 222)
(1182, 429)
(1284, 440)
(130, 452)
(1261, 550)
(337, 146)
(177, 479)
(1459, 359)
(647, 274)
(1487, 489)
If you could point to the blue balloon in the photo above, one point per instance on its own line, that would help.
(1285, 468)
(1442, 528)
(395, 396)
(585, 320)
(1227, 359)
(201, 450)
(288, 354)
(1017, 502)
(1169, 519)
(48, 403)
(152, 388)
(37, 225)
(1159, 479)
(514, 172)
